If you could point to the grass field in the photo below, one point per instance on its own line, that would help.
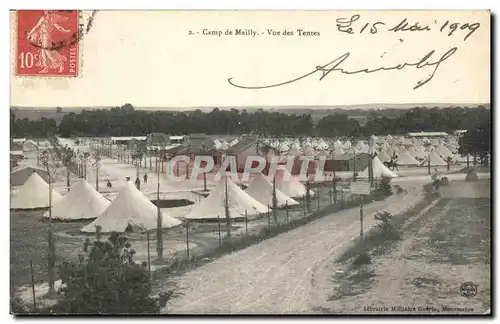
(440, 250)
(29, 234)
(28, 241)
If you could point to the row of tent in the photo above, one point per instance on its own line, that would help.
(30, 145)
(407, 159)
(132, 208)
(129, 208)
(386, 151)
(323, 144)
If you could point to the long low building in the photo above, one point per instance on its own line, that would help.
(428, 134)
(152, 139)
(348, 162)
(126, 139)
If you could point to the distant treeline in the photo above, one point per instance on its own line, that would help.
(126, 121)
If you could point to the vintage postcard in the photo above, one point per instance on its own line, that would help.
(250, 162)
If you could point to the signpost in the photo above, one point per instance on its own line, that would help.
(361, 189)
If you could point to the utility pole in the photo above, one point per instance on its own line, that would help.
(429, 162)
(354, 164)
(226, 209)
(97, 165)
(51, 252)
(370, 166)
(159, 218)
(67, 161)
(137, 160)
(334, 179)
(275, 200)
(361, 219)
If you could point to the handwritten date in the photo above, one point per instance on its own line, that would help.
(353, 25)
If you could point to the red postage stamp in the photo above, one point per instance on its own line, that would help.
(47, 43)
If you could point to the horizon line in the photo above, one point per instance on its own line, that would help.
(312, 107)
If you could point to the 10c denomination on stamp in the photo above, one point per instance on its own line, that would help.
(47, 43)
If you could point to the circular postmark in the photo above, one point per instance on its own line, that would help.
(468, 289)
(51, 18)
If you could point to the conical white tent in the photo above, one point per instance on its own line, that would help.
(453, 148)
(285, 147)
(406, 159)
(379, 170)
(290, 186)
(436, 160)
(295, 152)
(383, 157)
(308, 151)
(274, 144)
(337, 144)
(322, 145)
(21, 174)
(418, 152)
(238, 202)
(34, 194)
(323, 153)
(82, 202)
(360, 146)
(234, 142)
(262, 190)
(390, 152)
(407, 141)
(338, 151)
(444, 152)
(220, 144)
(346, 145)
(130, 208)
(460, 158)
(364, 149)
(399, 149)
(30, 145)
(295, 146)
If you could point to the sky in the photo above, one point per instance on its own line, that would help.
(149, 59)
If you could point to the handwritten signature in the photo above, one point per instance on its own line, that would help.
(335, 65)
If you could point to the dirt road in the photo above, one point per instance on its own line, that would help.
(276, 275)
(442, 249)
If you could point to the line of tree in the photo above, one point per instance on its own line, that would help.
(477, 143)
(127, 121)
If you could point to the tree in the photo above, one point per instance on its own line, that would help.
(126, 121)
(383, 188)
(385, 225)
(59, 110)
(67, 154)
(106, 280)
(51, 257)
(13, 130)
(448, 162)
(96, 164)
(476, 142)
(337, 125)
